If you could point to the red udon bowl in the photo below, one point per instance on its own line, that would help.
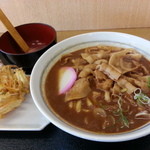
(49, 58)
(39, 38)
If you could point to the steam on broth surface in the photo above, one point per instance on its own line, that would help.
(110, 94)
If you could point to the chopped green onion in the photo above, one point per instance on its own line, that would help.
(148, 82)
(124, 90)
(119, 112)
(123, 118)
(141, 97)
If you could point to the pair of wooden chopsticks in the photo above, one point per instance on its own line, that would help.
(14, 33)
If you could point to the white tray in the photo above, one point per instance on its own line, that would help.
(24, 118)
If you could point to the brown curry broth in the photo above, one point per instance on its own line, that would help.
(56, 102)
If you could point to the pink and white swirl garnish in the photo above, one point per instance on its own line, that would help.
(67, 77)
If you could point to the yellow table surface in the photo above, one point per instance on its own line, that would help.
(142, 32)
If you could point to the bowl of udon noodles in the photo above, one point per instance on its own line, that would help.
(96, 86)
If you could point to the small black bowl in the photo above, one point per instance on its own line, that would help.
(39, 37)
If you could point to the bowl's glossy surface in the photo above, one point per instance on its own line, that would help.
(39, 38)
(74, 43)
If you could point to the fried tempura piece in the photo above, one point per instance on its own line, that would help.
(14, 85)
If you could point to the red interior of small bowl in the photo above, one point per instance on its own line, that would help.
(36, 35)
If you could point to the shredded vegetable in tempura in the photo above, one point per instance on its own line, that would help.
(14, 85)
